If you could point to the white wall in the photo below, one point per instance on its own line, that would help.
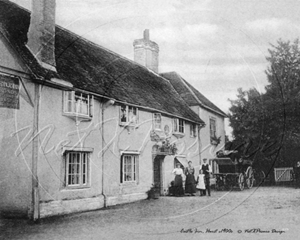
(209, 151)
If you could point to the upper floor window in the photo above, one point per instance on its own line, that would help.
(77, 169)
(193, 130)
(212, 127)
(157, 121)
(128, 115)
(178, 125)
(129, 168)
(76, 103)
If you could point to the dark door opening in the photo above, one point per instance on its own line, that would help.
(157, 171)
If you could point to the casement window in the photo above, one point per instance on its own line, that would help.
(193, 130)
(128, 115)
(157, 121)
(129, 168)
(78, 104)
(77, 169)
(212, 127)
(178, 125)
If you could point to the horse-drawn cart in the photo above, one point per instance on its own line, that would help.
(231, 174)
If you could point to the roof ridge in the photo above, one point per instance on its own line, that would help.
(77, 36)
(220, 111)
(19, 6)
(191, 89)
(104, 48)
(82, 64)
(188, 87)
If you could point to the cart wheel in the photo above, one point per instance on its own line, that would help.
(241, 181)
(249, 177)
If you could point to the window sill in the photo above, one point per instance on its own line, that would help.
(178, 134)
(128, 124)
(129, 184)
(77, 116)
(157, 130)
(75, 188)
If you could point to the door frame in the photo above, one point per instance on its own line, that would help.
(159, 158)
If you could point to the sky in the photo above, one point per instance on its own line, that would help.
(216, 45)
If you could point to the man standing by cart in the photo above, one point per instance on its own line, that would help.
(297, 175)
(206, 169)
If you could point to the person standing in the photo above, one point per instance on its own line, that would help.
(206, 169)
(190, 179)
(297, 174)
(178, 187)
(201, 183)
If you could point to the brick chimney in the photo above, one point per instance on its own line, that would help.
(41, 33)
(146, 52)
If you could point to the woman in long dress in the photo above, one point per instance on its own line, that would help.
(190, 187)
(178, 188)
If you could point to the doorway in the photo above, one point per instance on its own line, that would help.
(158, 173)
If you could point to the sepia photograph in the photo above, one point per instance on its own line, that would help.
(161, 119)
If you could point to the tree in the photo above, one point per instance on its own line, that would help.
(259, 120)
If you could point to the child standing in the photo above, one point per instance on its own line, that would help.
(201, 183)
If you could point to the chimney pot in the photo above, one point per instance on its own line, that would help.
(146, 52)
(146, 34)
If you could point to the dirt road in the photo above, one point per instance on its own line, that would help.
(258, 213)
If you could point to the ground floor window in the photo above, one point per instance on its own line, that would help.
(77, 169)
(129, 168)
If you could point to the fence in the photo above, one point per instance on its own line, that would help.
(283, 174)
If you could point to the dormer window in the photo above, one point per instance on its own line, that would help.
(78, 104)
(128, 115)
(193, 130)
(178, 126)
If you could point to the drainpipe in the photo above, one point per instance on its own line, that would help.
(35, 154)
(102, 154)
(199, 140)
(103, 107)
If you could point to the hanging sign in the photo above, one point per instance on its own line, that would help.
(9, 92)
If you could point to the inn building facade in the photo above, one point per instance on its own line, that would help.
(82, 127)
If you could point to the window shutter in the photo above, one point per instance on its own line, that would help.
(73, 105)
(137, 116)
(136, 159)
(121, 170)
(153, 121)
(65, 101)
(174, 125)
(91, 105)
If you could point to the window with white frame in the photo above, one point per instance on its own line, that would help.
(77, 169)
(212, 127)
(178, 125)
(157, 121)
(129, 168)
(128, 115)
(76, 103)
(193, 130)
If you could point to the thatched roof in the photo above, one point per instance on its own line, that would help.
(191, 95)
(93, 68)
